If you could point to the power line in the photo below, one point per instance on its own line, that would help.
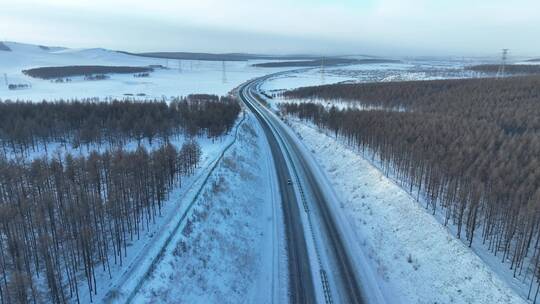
(502, 66)
(323, 80)
(224, 72)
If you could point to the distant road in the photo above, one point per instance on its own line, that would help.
(291, 165)
(301, 286)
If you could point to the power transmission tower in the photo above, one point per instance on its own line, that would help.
(6, 80)
(502, 67)
(323, 80)
(224, 72)
(179, 66)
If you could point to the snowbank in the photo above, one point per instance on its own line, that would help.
(412, 252)
(228, 251)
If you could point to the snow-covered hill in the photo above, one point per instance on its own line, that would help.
(182, 78)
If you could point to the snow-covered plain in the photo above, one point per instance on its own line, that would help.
(228, 250)
(406, 70)
(194, 77)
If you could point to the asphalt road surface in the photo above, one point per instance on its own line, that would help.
(291, 167)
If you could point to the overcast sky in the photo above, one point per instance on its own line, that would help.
(401, 27)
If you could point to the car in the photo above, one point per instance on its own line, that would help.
(289, 182)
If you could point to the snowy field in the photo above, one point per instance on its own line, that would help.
(190, 76)
(180, 79)
(423, 69)
(228, 250)
(413, 255)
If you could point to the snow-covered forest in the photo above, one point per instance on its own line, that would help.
(470, 148)
(66, 215)
(30, 126)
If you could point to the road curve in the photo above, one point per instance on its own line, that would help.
(342, 270)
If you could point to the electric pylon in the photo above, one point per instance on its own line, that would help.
(224, 72)
(323, 80)
(502, 67)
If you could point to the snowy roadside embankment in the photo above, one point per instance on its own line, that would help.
(412, 253)
(228, 250)
(119, 283)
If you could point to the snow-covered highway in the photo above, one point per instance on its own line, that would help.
(321, 264)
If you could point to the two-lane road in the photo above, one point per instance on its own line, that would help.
(301, 288)
(291, 164)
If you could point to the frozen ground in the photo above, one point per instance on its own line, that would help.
(194, 76)
(411, 252)
(227, 252)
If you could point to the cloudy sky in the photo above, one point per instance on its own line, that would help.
(404, 27)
